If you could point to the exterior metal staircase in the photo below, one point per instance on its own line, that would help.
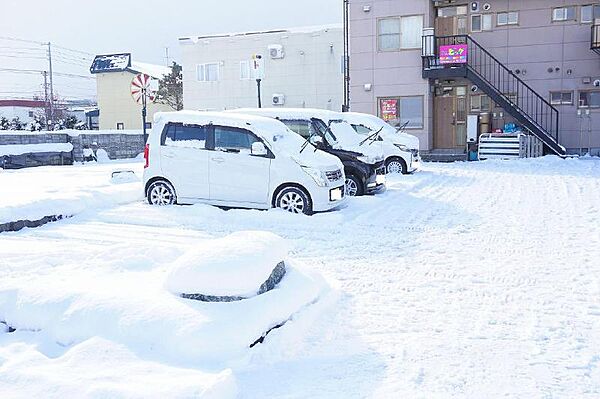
(506, 89)
(596, 37)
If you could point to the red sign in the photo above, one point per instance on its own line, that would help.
(454, 54)
(389, 109)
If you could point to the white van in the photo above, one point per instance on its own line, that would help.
(237, 161)
(401, 150)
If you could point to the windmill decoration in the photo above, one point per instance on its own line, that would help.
(143, 90)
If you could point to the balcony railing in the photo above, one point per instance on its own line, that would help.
(596, 38)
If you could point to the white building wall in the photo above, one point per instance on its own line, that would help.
(309, 75)
(23, 113)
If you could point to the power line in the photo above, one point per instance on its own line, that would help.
(15, 39)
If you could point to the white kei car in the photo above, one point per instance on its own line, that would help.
(237, 160)
(401, 150)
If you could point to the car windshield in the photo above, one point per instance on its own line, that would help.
(325, 132)
(285, 139)
(344, 132)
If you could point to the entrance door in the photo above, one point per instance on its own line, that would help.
(451, 21)
(450, 113)
(235, 174)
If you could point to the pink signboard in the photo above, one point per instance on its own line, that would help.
(454, 54)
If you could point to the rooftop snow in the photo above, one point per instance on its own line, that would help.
(122, 62)
(302, 29)
(110, 63)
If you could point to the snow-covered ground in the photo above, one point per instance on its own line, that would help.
(463, 280)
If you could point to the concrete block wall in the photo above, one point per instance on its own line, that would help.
(117, 145)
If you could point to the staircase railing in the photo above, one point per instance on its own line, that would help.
(595, 43)
(509, 86)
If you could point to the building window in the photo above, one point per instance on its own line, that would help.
(563, 14)
(481, 22)
(120, 126)
(589, 99)
(507, 18)
(246, 70)
(148, 125)
(561, 97)
(589, 13)
(400, 33)
(480, 103)
(208, 72)
(452, 11)
(400, 110)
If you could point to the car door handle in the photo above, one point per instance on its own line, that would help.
(218, 160)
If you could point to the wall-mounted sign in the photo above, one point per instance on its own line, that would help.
(388, 109)
(454, 54)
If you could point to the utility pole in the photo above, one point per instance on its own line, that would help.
(46, 110)
(51, 85)
(346, 60)
(167, 58)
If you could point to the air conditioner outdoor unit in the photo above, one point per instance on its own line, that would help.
(276, 51)
(278, 99)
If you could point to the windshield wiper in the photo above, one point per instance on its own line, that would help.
(372, 136)
(401, 128)
(307, 142)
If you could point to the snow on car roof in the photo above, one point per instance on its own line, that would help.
(230, 119)
(292, 113)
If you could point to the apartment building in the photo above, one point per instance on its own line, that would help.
(300, 67)
(535, 63)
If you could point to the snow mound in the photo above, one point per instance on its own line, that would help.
(121, 176)
(102, 156)
(236, 265)
(101, 368)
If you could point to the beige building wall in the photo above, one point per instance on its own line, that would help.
(309, 75)
(116, 104)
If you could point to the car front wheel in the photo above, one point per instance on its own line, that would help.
(395, 166)
(353, 186)
(294, 200)
(161, 193)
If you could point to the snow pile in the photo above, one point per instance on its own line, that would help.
(102, 369)
(102, 156)
(20, 149)
(30, 194)
(125, 301)
(235, 265)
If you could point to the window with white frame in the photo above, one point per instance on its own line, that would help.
(507, 18)
(564, 14)
(561, 97)
(208, 72)
(400, 32)
(589, 13)
(246, 70)
(589, 99)
(481, 22)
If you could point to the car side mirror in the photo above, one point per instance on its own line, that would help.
(258, 149)
(317, 141)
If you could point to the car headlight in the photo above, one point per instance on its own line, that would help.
(370, 159)
(317, 175)
(402, 147)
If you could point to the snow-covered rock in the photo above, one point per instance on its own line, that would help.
(236, 265)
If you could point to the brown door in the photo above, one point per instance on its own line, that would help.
(450, 113)
(444, 124)
(451, 21)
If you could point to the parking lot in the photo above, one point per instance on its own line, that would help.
(461, 280)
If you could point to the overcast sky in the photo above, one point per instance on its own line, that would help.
(142, 27)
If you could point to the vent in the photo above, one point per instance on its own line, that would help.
(278, 99)
(276, 51)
